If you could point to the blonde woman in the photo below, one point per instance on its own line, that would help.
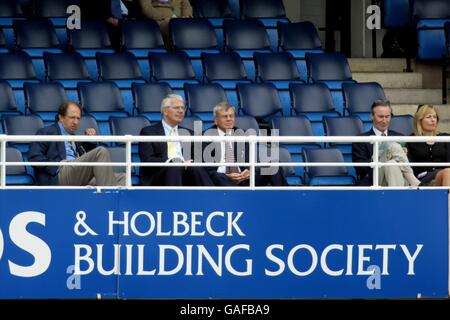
(426, 122)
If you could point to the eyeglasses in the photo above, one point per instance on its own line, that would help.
(178, 108)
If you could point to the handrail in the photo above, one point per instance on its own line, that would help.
(253, 141)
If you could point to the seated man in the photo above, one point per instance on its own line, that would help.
(69, 115)
(163, 10)
(389, 152)
(173, 110)
(226, 152)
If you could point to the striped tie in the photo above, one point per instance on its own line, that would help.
(229, 157)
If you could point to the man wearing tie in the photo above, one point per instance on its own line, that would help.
(228, 153)
(362, 152)
(68, 121)
(173, 111)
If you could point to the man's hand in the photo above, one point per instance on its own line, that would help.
(90, 132)
(239, 177)
(113, 21)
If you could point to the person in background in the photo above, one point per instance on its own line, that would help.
(426, 120)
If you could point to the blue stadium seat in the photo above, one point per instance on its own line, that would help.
(44, 99)
(3, 44)
(93, 37)
(396, 14)
(202, 98)
(403, 124)
(121, 126)
(343, 126)
(192, 123)
(36, 37)
(430, 17)
(281, 70)
(299, 38)
(9, 10)
(314, 101)
(358, 99)
(193, 36)
(246, 37)
(292, 177)
(235, 8)
(215, 11)
(8, 105)
(295, 126)
(102, 100)
(325, 176)
(225, 69)
(269, 12)
(67, 69)
(21, 125)
(333, 70)
(118, 154)
(87, 121)
(147, 99)
(259, 100)
(248, 124)
(17, 175)
(17, 68)
(174, 68)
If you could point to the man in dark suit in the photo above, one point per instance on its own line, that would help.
(362, 152)
(173, 111)
(227, 152)
(69, 115)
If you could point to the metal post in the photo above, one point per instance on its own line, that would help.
(128, 161)
(376, 145)
(3, 162)
(252, 163)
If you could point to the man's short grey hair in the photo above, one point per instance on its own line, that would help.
(381, 103)
(165, 103)
(222, 106)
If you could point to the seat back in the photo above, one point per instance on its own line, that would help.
(87, 121)
(171, 65)
(16, 65)
(298, 36)
(38, 33)
(327, 67)
(403, 124)
(22, 125)
(396, 13)
(259, 100)
(262, 9)
(100, 97)
(430, 9)
(358, 97)
(196, 33)
(210, 9)
(52, 8)
(315, 97)
(223, 66)
(293, 126)
(93, 35)
(343, 126)
(194, 124)
(10, 8)
(44, 97)
(7, 99)
(147, 97)
(275, 66)
(118, 66)
(121, 126)
(141, 34)
(324, 155)
(248, 124)
(247, 34)
(65, 66)
(203, 97)
(14, 155)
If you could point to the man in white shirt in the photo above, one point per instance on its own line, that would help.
(173, 111)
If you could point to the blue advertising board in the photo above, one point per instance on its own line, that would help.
(223, 244)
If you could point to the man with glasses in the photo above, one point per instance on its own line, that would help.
(173, 111)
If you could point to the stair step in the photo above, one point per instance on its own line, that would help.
(391, 79)
(414, 96)
(376, 65)
(444, 109)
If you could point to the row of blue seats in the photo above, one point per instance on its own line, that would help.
(296, 175)
(261, 100)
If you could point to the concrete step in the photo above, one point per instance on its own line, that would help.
(376, 65)
(414, 96)
(391, 79)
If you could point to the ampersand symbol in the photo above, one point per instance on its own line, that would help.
(81, 216)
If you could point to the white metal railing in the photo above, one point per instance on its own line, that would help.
(252, 140)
